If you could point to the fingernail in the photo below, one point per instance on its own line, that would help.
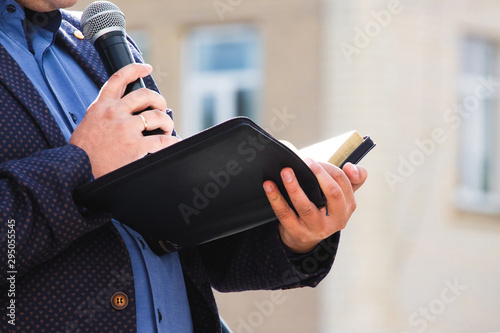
(288, 176)
(308, 161)
(356, 171)
(268, 188)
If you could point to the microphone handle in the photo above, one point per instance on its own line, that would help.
(115, 54)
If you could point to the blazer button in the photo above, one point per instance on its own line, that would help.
(119, 301)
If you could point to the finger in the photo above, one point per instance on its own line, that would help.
(154, 119)
(356, 174)
(304, 207)
(115, 87)
(340, 178)
(334, 184)
(282, 210)
(154, 143)
(142, 99)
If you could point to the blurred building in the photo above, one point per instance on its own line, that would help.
(421, 252)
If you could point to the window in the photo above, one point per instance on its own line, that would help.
(222, 76)
(479, 156)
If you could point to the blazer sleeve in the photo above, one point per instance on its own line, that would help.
(36, 200)
(256, 259)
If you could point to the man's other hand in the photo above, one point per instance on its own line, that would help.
(303, 231)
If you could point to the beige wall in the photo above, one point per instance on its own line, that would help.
(406, 243)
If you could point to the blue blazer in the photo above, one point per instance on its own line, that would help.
(66, 263)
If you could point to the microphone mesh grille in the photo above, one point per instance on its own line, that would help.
(100, 15)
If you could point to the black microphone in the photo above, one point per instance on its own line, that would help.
(103, 25)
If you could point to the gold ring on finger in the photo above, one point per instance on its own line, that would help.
(145, 122)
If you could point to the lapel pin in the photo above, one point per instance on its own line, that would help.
(78, 34)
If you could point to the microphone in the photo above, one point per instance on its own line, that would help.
(103, 25)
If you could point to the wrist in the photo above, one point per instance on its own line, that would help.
(293, 246)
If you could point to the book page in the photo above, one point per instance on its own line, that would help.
(334, 150)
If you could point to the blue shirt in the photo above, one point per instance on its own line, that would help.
(161, 298)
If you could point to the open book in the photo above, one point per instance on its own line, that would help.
(207, 186)
(335, 150)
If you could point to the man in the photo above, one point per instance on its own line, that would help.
(64, 122)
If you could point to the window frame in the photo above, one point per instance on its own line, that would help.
(224, 84)
(469, 196)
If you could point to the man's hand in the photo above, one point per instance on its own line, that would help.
(111, 134)
(302, 232)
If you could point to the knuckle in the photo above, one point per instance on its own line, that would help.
(143, 93)
(281, 214)
(156, 94)
(306, 211)
(117, 76)
(163, 140)
(275, 199)
(167, 140)
(161, 117)
(354, 205)
(333, 191)
(161, 100)
(339, 175)
(137, 97)
(315, 168)
(125, 74)
(158, 114)
(293, 189)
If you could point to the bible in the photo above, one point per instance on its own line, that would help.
(209, 185)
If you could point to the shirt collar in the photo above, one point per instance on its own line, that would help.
(20, 25)
(50, 21)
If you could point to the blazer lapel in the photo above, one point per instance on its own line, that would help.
(81, 50)
(85, 54)
(15, 80)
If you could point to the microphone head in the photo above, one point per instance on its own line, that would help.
(101, 17)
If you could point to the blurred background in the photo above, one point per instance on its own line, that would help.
(422, 251)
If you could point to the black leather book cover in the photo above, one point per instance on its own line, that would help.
(202, 188)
